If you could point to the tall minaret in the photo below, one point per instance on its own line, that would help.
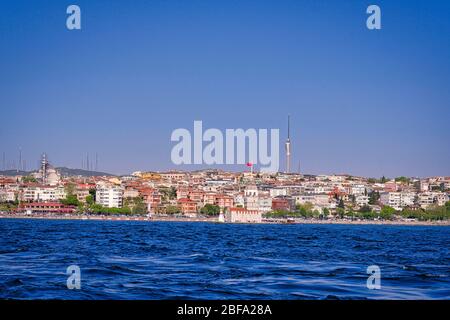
(44, 164)
(288, 148)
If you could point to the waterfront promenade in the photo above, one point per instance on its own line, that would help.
(168, 218)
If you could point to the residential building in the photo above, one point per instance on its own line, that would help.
(110, 196)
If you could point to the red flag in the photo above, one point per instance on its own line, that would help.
(249, 164)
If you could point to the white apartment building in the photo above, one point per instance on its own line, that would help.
(362, 200)
(173, 176)
(397, 200)
(323, 189)
(109, 196)
(319, 200)
(239, 200)
(265, 204)
(130, 193)
(441, 198)
(358, 189)
(275, 192)
(424, 186)
(304, 198)
(43, 193)
(7, 195)
(297, 189)
(428, 199)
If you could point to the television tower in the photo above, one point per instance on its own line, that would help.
(288, 148)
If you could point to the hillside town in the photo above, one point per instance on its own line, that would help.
(245, 197)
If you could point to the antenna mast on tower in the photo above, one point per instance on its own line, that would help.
(19, 167)
(288, 148)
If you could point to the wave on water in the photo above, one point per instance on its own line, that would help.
(164, 260)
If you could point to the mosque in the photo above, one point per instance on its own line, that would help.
(47, 174)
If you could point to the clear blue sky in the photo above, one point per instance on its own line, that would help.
(362, 102)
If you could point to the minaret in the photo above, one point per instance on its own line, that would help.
(44, 168)
(288, 148)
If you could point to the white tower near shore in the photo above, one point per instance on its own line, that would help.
(288, 148)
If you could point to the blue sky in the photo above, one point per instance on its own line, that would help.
(362, 102)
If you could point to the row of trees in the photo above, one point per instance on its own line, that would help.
(301, 211)
(134, 206)
(366, 212)
(383, 179)
(208, 209)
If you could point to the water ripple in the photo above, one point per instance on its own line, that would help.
(163, 260)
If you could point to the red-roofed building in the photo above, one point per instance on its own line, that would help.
(224, 201)
(187, 206)
(45, 207)
(197, 196)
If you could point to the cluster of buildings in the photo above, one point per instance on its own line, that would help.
(241, 197)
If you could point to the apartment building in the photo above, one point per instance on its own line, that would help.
(188, 206)
(362, 200)
(283, 203)
(42, 193)
(398, 200)
(110, 196)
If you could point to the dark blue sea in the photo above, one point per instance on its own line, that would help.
(177, 260)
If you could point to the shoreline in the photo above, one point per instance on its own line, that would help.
(215, 220)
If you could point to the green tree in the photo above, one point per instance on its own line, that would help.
(387, 212)
(93, 193)
(28, 179)
(341, 204)
(90, 200)
(402, 179)
(364, 209)
(70, 200)
(172, 209)
(374, 196)
(277, 214)
(139, 206)
(172, 193)
(340, 212)
(210, 210)
(70, 188)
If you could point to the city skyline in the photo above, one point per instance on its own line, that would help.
(93, 167)
(366, 103)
